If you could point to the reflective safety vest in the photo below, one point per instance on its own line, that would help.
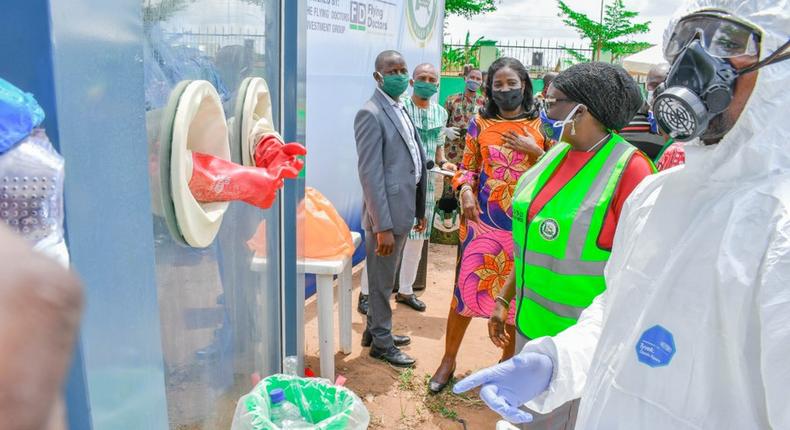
(559, 266)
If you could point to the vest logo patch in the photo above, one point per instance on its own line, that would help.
(549, 229)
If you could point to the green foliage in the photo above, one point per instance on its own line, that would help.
(457, 58)
(613, 35)
(163, 10)
(576, 56)
(468, 8)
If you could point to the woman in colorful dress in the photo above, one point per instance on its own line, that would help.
(502, 142)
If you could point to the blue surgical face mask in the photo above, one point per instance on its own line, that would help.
(554, 127)
(472, 85)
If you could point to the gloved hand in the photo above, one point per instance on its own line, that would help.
(452, 133)
(217, 180)
(510, 384)
(279, 158)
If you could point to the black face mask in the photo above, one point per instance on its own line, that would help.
(508, 100)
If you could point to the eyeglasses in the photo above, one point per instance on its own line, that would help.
(720, 34)
(548, 102)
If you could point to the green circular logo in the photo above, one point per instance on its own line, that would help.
(421, 16)
(549, 229)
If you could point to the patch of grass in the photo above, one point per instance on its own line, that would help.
(445, 404)
(375, 423)
(450, 414)
(406, 380)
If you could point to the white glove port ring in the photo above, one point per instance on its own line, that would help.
(193, 120)
(253, 118)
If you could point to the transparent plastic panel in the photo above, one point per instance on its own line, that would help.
(220, 306)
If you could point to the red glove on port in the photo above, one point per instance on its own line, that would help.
(278, 157)
(218, 180)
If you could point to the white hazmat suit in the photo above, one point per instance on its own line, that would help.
(693, 330)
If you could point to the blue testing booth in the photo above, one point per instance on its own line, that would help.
(171, 333)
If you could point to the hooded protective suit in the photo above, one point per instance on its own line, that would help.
(693, 330)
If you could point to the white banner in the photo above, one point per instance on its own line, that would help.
(343, 39)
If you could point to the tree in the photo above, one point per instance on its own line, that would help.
(468, 8)
(457, 58)
(613, 35)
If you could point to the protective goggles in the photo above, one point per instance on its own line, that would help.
(720, 34)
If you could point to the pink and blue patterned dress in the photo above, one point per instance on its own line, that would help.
(486, 256)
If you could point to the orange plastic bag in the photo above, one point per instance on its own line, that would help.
(327, 236)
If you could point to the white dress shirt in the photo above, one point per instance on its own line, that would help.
(414, 150)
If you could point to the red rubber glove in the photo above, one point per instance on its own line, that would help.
(218, 180)
(278, 157)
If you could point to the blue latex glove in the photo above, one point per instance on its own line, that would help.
(19, 114)
(510, 384)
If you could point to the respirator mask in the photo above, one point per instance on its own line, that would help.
(701, 81)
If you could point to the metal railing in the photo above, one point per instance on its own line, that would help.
(539, 56)
(210, 42)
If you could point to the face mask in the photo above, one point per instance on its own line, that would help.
(472, 86)
(394, 85)
(508, 100)
(650, 97)
(554, 128)
(699, 87)
(425, 90)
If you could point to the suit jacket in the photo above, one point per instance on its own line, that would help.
(386, 170)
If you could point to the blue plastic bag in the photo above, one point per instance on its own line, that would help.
(19, 114)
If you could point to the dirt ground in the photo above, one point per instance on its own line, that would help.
(398, 399)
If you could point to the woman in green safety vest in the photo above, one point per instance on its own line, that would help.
(566, 208)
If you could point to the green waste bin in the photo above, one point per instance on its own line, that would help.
(327, 406)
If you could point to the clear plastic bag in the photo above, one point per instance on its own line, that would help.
(327, 406)
(31, 192)
(19, 114)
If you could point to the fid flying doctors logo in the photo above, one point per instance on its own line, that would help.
(421, 16)
(369, 16)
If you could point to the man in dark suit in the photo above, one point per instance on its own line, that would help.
(393, 174)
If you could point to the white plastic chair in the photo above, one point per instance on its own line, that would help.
(325, 271)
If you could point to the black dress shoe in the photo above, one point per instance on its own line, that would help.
(411, 301)
(362, 305)
(393, 356)
(367, 339)
(436, 387)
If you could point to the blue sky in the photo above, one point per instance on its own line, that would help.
(533, 19)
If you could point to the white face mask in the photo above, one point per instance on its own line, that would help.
(650, 98)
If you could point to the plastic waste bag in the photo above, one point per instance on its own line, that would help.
(19, 115)
(327, 406)
(31, 201)
(326, 233)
